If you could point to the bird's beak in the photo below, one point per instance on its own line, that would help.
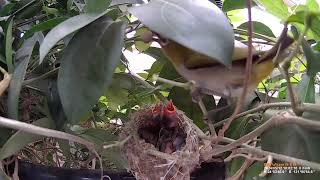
(150, 36)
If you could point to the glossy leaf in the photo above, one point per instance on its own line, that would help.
(120, 2)
(317, 46)
(295, 141)
(98, 136)
(22, 57)
(139, 45)
(157, 54)
(65, 28)
(275, 7)
(96, 6)
(229, 5)
(102, 137)
(20, 139)
(119, 90)
(306, 89)
(299, 17)
(312, 57)
(5, 133)
(197, 24)
(44, 26)
(155, 68)
(182, 99)
(9, 41)
(87, 66)
(258, 27)
(312, 5)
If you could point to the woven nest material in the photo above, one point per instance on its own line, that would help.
(150, 161)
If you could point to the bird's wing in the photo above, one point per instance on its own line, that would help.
(196, 60)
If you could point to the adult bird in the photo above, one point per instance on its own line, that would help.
(211, 77)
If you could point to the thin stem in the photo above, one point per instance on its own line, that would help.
(253, 150)
(14, 124)
(173, 83)
(247, 78)
(255, 35)
(43, 76)
(262, 107)
(277, 120)
(207, 119)
(284, 69)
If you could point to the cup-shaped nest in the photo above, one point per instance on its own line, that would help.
(163, 144)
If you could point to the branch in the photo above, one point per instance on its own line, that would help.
(253, 150)
(262, 107)
(247, 78)
(14, 124)
(281, 118)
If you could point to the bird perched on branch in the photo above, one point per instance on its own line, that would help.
(211, 77)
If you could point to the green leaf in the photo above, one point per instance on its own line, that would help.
(312, 5)
(44, 26)
(169, 72)
(2, 59)
(20, 139)
(118, 91)
(258, 27)
(9, 41)
(155, 68)
(98, 136)
(253, 171)
(313, 66)
(157, 54)
(275, 7)
(22, 56)
(197, 24)
(306, 89)
(120, 2)
(139, 45)
(229, 5)
(182, 99)
(317, 46)
(65, 28)
(49, 10)
(295, 141)
(299, 17)
(95, 6)
(87, 66)
(5, 133)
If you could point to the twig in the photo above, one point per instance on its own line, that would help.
(117, 144)
(173, 83)
(43, 76)
(253, 150)
(281, 118)
(247, 163)
(262, 107)
(280, 157)
(255, 35)
(266, 167)
(284, 69)
(14, 124)
(143, 82)
(161, 154)
(247, 78)
(232, 156)
(208, 121)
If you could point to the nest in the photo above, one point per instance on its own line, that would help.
(165, 150)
